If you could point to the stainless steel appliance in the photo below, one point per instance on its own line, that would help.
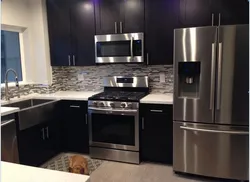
(9, 147)
(211, 83)
(119, 48)
(114, 119)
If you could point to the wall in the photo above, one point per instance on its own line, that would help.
(66, 78)
(29, 18)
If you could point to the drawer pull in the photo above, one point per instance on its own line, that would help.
(153, 110)
(74, 106)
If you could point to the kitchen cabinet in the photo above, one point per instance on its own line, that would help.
(232, 12)
(39, 143)
(156, 132)
(124, 16)
(161, 18)
(71, 26)
(58, 13)
(196, 13)
(75, 136)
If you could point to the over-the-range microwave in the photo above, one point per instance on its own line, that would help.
(119, 48)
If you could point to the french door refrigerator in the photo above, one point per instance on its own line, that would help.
(211, 101)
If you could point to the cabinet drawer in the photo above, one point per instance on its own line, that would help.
(156, 108)
(75, 104)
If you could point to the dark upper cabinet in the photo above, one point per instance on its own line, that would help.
(71, 27)
(58, 13)
(195, 13)
(132, 19)
(156, 133)
(75, 136)
(161, 18)
(119, 16)
(232, 12)
(107, 15)
(83, 32)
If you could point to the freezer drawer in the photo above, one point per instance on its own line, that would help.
(211, 150)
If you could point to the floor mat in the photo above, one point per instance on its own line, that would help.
(61, 163)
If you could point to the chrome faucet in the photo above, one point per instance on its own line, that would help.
(6, 84)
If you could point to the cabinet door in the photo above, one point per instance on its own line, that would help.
(132, 16)
(31, 146)
(107, 12)
(161, 17)
(83, 32)
(233, 12)
(195, 13)
(157, 135)
(75, 132)
(59, 31)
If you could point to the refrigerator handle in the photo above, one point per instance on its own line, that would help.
(218, 92)
(212, 84)
(215, 131)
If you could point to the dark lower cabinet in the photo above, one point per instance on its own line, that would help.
(75, 136)
(156, 144)
(39, 143)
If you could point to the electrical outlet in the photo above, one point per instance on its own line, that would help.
(162, 78)
(80, 77)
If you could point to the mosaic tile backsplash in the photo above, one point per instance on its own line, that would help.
(66, 78)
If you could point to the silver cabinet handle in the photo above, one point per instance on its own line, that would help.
(47, 131)
(43, 134)
(69, 60)
(115, 27)
(142, 123)
(156, 110)
(147, 58)
(219, 19)
(74, 60)
(212, 77)
(212, 19)
(215, 131)
(74, 106)
(121, 30)
(86, 118)
(131, 47)
(7, 122)
(219, 77)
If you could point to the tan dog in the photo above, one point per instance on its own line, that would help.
(78, 165)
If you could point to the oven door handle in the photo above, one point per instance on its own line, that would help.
(113, 110)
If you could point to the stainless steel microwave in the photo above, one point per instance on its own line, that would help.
(119, 48)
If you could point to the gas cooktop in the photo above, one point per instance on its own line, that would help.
(118, 96)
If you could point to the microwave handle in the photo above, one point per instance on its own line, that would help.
(131, 47)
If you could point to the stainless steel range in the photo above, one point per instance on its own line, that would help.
(114, 119)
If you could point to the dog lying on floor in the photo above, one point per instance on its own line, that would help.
(78, 164)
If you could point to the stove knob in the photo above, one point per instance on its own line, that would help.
(112, 104)
(94, 103)
(129, 105)
(123, 104)
(101, 104)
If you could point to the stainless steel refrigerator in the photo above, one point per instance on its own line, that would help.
(211, 101)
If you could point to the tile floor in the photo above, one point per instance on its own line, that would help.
(145, 172)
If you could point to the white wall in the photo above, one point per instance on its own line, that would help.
(29, 17)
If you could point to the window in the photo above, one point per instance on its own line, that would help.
(10, 55)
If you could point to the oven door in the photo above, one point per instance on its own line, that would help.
(119, 48)
(116, 129)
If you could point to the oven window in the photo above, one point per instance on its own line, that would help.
(115, 129)
(118, 48)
